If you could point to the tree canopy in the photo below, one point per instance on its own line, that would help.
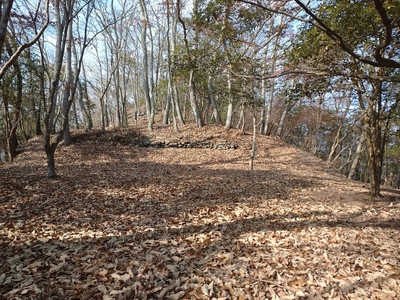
(322, 75)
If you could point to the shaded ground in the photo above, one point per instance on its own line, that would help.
(128, 222)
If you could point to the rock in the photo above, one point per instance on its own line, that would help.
(200, 145)
(3, 155)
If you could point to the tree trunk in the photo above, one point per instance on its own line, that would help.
(64, 20)
(147, 78)
(265, 128)
(340, 136)
(193, 102)
(171, 42)
(50, 149)
(12, 139)
(356, 159)
(282, 120)
(4, 18)
(241, 121)
(254, 143)
(67, 86)
(212, 100)
(314, 136)
(12, 122)
(376, 123)
(229, 114)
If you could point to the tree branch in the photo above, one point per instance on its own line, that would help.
(337, 38)
(394, 78)
(388, 36)
(380, 61)
(21, 48)
(4, 17)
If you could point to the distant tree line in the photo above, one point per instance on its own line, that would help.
(323, 76)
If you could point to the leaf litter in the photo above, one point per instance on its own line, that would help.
(129, 222)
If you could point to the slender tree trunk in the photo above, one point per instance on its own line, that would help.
(124, 88)
(376, 123)
(241, 121)
(75, 115)
(67, 86)
(176, 103)
(4, 18)
(38, 126)
(172, 23)
(147, 76)
(50, 149)
(254, 143)
(229, 114)
(63, 25)
(335, 143)
(169, 67)
(282, 119)
(263, 126)
(176, 128)
(213, 103)
(117, 95)
(193, 102)
(83, 97)
(85, 110)
(12, 122)
(192, 90)
(50, 146)
(376, 140)
(318, 121)
(265, 129)
(340, 136)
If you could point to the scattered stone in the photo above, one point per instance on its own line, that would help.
(197, 145)
(3, 155)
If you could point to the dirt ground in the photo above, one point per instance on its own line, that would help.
(128, 222)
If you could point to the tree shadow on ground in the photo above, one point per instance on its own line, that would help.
(86, 257)
(127, 214)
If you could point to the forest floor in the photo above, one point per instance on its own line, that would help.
(128, 222)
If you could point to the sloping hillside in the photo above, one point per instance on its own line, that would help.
(165, 216)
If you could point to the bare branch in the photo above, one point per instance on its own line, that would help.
(21, 48)
(4, 17)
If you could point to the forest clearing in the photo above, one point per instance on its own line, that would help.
(127, 222)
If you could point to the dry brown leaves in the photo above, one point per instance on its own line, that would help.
(123, 222)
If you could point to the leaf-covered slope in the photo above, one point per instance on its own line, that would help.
(127, 222)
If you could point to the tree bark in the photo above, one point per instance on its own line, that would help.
(376, 122)
(193, 103)
(318, 121)
(254, 143)
(64, 16)
(50, 149)
(147, 78)
(210, 85)
(11, 122)
(192, 90)
(67, 85)
(4, 18)
(172, 97)
(229, 113)
(282, 119)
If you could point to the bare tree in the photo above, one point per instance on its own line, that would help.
(5, 15)
(148, 84)
(14, 48)
(65, 12)
(375, 66)
(192, 89)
